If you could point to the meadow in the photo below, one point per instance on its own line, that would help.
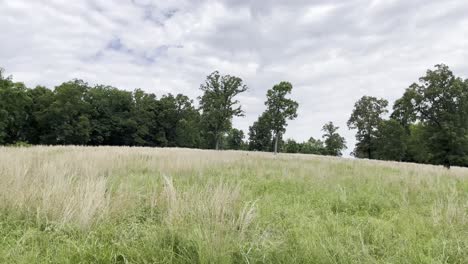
(151, 205)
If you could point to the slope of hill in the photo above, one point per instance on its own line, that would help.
(144, 205)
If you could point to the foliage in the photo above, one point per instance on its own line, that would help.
(76, 113)
(334, 143)
(440, 103)
(366, 117)
(66, 119)
(179, 121)
(20, 144)
(417, 144)
(218, 103)
(110, 116)
(235, 139)
(14, 103)
(260, 134)
(291, 146)
(280, 109)
(314, 146)
(391, 141)
(429, 123)
(41, 99)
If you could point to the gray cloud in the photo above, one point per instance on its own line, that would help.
(332, 51)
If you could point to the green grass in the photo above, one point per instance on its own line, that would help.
(190, 206)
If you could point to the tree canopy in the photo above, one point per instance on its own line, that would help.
(428, 124)
(366, 117)
(260, 134)
(76, 113)
(280, 109)
(440, 103)
(334, 143)
(218, 104)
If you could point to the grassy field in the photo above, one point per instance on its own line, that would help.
(144, 205)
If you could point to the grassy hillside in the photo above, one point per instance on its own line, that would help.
(143, 205)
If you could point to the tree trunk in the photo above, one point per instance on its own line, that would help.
(369, 147)
(447, 163)
(216, 137)
(276, 143)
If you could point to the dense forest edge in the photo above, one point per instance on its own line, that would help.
(428, 124)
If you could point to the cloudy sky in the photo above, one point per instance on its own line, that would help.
(333, 51)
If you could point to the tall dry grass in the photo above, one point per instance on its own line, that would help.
(81, 185)
(221, 206)
(76, 185)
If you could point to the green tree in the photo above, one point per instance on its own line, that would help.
(334, 143)
(235, 139)
(291, 146)
(366, 117)
(280, 109)
(260, 134)
(179, 120)
(147, 131)
(66, 119)
(313, 146)
(110, 112)
(41, 99)
(440, 102)
(417, 144)
(391, 139)
(188, 132)
(14, 114)
(218, 104)
(187, 123)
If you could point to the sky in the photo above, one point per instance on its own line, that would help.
(332, 51)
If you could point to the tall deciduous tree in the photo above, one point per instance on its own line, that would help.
(218, 103)
(366, 117)
(280, 109)
(334, 143)
(440, 102)
(260, 134)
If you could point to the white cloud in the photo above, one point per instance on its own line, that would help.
(332, 51)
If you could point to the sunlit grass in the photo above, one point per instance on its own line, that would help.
(144, 205)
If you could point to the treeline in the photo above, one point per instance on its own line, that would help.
(75, 113)
(428, 124)
(260, 138)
